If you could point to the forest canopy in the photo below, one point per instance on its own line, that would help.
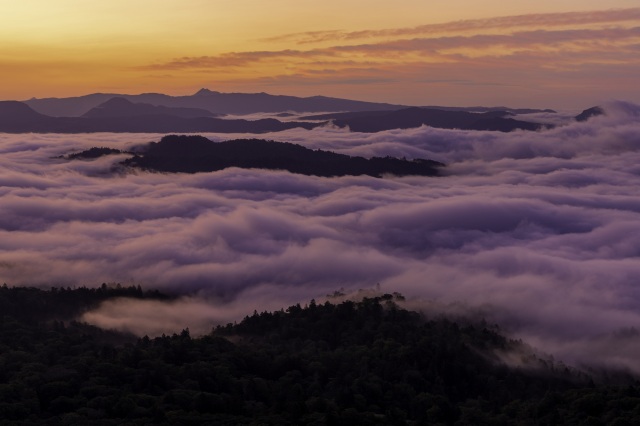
(193, 154)
(352, 362)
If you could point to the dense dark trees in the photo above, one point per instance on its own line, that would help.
(33, 305)
(367, 362)
(192, 154)
(589, 112)
(92, 153)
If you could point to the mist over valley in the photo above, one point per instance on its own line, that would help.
(534, 230)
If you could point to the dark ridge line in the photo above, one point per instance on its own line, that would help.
(194, 154)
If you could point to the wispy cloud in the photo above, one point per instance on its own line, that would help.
(436, 48)
(541, 20)
(233, 59)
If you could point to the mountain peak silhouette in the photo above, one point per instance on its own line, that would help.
(18, 117)
(16, 110)
(116, 101)
(205, 92)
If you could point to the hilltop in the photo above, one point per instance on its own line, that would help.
(376, 121)
(367, 362)
(193, 154)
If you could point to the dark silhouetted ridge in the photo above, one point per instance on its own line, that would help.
(120, 115)
(18, 117)
(95, 152)
(590, 112)
(491, 109)
(192, 154)
(212, 101)
(205, 92)
(121, 107)
(503, 124)
(407, 118)
(14, 110)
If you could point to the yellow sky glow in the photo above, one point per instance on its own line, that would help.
(413, 52)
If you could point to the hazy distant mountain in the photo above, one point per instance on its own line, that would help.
(588, 113)
(121, 107)
(503, 124)
(346, 115)
(169, 124)
(17, 117)
(214, 102)
(491, 109)
(68, 107)
(121, 115)
(17, 111)
(376, 121)
(192, 154)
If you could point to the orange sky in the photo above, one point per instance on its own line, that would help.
(554, 54)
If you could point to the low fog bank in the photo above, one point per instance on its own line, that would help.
(539, 231)
(197, 312)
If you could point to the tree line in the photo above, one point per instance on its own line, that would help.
(367, 363)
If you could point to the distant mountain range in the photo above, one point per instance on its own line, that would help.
(219, 103)
(376, 121)
(120, 115)
(120, 107)
(492, 109)
(201, 112)
(214, 102)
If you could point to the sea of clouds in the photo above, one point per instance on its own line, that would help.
(538, 231)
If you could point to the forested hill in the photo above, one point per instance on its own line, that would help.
(192, 154)
(378, 121)
(349, 363)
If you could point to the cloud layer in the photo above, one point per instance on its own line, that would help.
(538, 231)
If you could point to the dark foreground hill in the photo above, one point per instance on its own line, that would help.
(376, 121)
(192, 154)
(17, 117)
(349, 363)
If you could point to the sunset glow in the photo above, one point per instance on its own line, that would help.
(553, 54)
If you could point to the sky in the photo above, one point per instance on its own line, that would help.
(552, 54)
(538, 232)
